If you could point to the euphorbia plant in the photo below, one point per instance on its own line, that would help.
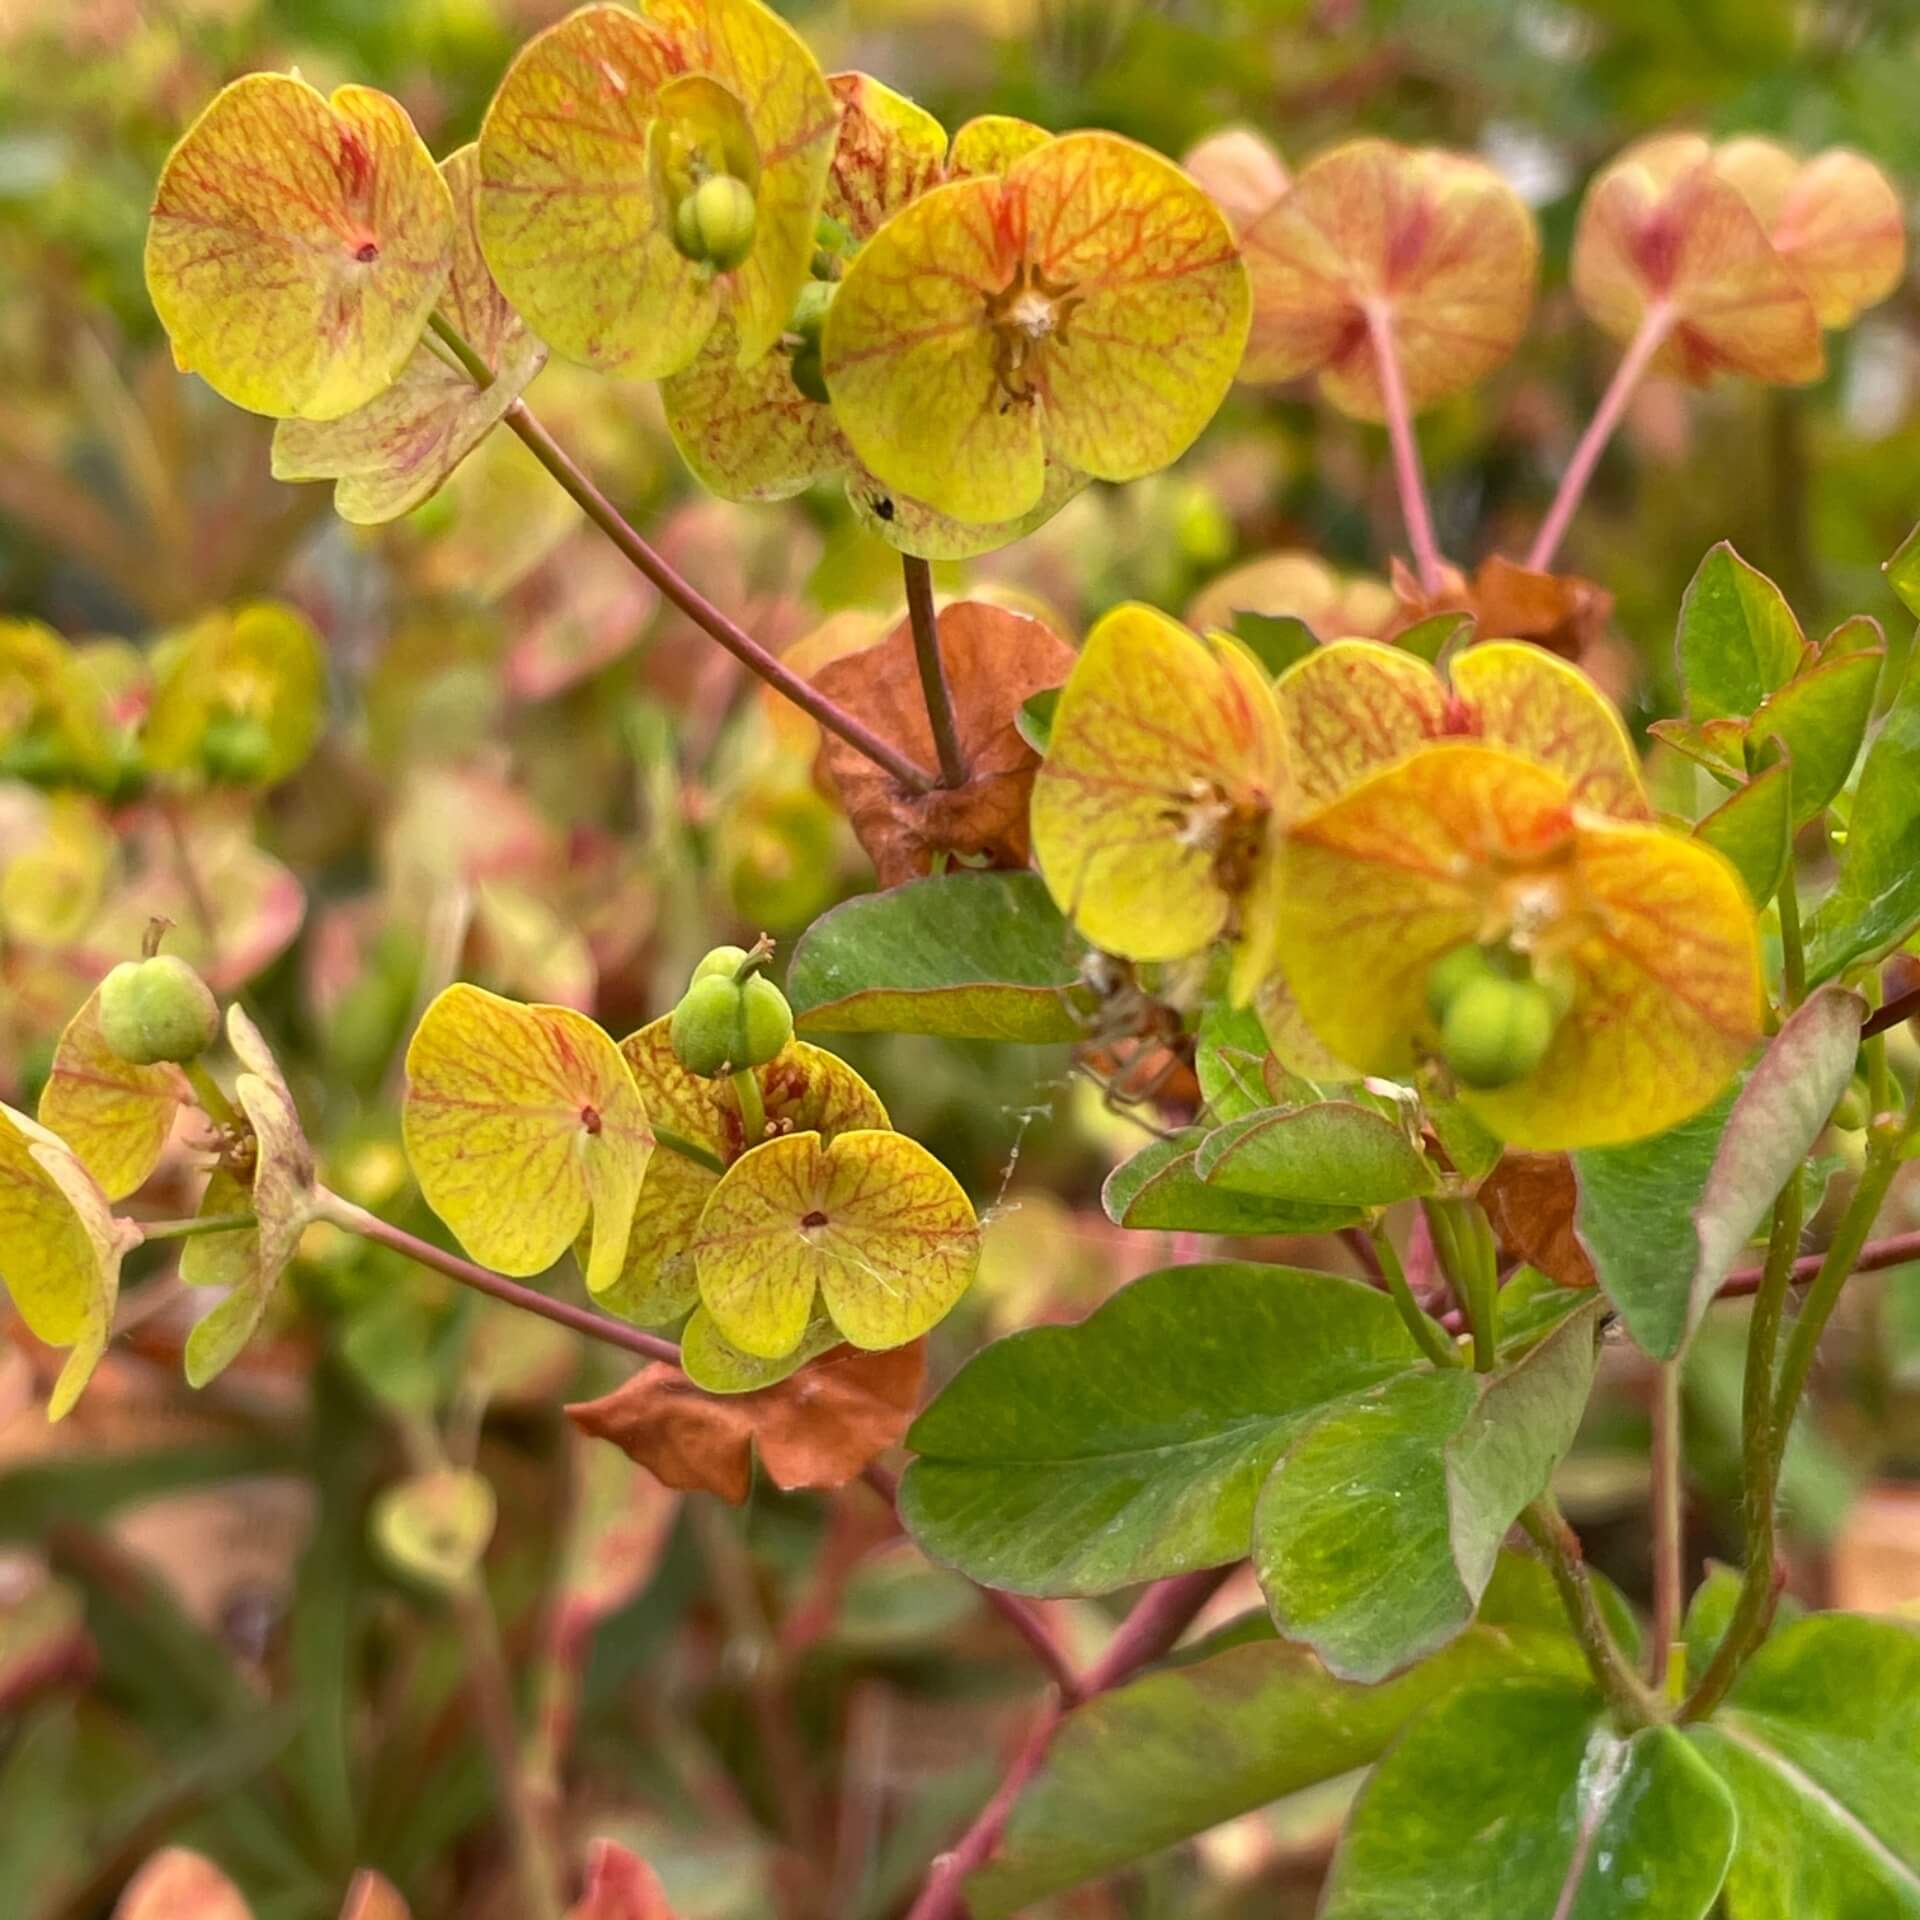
(1440, 981)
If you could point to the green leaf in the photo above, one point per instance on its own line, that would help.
(1084, 1458)
(974, 956)
(1754, 829)
(1230, 1061)
(1738, 640)
(1276, 640)
(1817, 1743)
(1378, 1531)
(1776, 1118)
(1158, 1188)
(1875, 903)
(1034, 721)
(1635, 1219)
(1335, 1151)
(1515, 1801)
(1181, 1750)
(1710, 1612)
(1433, 636)
(1821, 718)
(1903, 572)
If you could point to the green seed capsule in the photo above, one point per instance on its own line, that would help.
(722, 1024)
(716, 221)
(809, 314)
(157, 1009)
(810, 377)
(1497, 1031)
(236, 748)
(1456, 969)
(727, 960)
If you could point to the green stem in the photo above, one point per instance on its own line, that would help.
(462, 349)
(933, 671)
(191, 1229)
(1669, 1544)
(1768, 1407)
(210, 1095)
(1793, 952)
(753, 1112)
(1464, 1241)
(688, 1149)
(1873, 1050)
(1426, 1330)
(1633, 1705)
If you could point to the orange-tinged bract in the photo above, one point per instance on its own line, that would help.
(602, 129)
(394, 452)
(521, 1124)
(297, 246)
(1464, 842)
(1333, 605)
(1165, 769)
(1739, 260)
(870, 1223)
(764, 432)
(1087, 306)
(1432, 248)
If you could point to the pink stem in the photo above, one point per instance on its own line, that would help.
(1655, 324)
(1406, 449)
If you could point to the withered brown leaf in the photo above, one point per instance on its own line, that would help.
(1530, 1199)
(817, 1428)
(995, 660)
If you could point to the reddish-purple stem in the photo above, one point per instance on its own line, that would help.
(1655, 324)
(1160, 1616)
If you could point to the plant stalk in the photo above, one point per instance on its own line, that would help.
(933, 670)
(193, 1228)
(574, 480)
(1427, 1331)
(596, 1326)
(1655, 324)
(1669, 1523)
(1407, 475)
(1793, 949)
(1632, 1704)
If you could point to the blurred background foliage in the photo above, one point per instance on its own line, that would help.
(531, 775)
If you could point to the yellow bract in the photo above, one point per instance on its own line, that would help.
(281, 1195)
(261, 663)
(1462, 842)
(869, 1223)
(1088, 305)
(1434, 247)
(114, 1117)
(1334, 605)
(1662, 224)
(593, 133)
(1165, 769)
(521, 1123)
(394, 452)
(48, 704)
(60, 1249)
(802, 1087)
(751, 434)
(298, 245)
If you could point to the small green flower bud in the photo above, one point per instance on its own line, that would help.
(235, 748)
(1496, 1031)
(1851, 1112)
(157, 1009)
(715, 222)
